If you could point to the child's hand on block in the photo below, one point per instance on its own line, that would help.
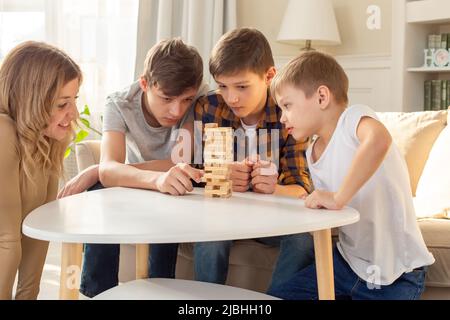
(264, 177)
(240, 175)
(177, 181)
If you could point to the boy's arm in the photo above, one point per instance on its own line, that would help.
(294, 178)
(167, 164)
(375, 142)
(113, 172)
(265, 180)
(151, 175)
(292, 190)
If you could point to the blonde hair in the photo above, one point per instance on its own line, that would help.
(311, 70)
(31, 77)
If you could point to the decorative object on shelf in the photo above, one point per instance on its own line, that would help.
(441, 58)
(436, 58)
(307, 21)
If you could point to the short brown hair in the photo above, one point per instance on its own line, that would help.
(311, 70)
(174, 66)
(241, 49)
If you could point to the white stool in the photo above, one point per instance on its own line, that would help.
(175, 289)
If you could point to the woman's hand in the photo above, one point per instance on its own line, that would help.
(83, 181)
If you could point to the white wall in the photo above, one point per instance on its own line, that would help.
(365, 54)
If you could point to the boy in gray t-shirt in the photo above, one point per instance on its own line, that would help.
(139, 133)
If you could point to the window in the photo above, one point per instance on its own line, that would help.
(100, 35)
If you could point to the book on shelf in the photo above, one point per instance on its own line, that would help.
(427, 95)
(439, 41)
(444, 94)
(436, 95)
(447, 101)
(436, 92)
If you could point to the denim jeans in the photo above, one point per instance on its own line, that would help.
(303, 285)
(296, 252)
(100, 270)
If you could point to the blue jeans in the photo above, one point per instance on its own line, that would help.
(101, 264)
(296, 252)
(303, 285)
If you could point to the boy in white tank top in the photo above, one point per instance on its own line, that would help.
(352, 162)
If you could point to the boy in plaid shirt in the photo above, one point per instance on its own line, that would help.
(243, 67)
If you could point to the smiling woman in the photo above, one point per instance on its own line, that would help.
(37, 112)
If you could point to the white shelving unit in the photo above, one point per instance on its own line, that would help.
(429, 70)
(428, 11)
(414, 21)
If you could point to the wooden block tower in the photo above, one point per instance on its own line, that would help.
(218, 154)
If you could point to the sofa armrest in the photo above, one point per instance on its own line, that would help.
(88, 153)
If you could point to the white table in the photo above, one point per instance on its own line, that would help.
(133, 216)
(175, 289)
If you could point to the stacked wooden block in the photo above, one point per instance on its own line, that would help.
(218, 154)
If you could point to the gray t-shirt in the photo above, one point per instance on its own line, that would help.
(123, 113)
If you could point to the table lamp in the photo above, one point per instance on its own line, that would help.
(307, 21)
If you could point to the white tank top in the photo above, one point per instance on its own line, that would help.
(386, 242)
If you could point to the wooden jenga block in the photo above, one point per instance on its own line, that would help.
(223, 186)
(218, 170)
(215, 132)
(218, 162)
(218, 193)
(218, 153)
(211, 125)
(224, 176)
(216, 180)
(223, 196)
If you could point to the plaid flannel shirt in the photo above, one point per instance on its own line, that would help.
(292, 168)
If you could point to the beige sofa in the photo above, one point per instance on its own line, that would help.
(423, 138)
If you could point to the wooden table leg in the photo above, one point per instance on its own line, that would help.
(142, 254)
(324, 264)
(71, 255)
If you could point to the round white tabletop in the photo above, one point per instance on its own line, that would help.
(122, 215)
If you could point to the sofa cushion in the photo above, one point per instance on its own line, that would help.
(250, 265)
(433, 189)
(414, 133)
(88, 153)
(436, 233)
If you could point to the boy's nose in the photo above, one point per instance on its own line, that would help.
(175, 111)
(233, 98)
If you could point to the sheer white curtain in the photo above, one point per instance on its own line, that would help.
(99, 34)
(198, 22)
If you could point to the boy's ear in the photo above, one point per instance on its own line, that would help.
(143, 83)
(270, 74)
(324, 97)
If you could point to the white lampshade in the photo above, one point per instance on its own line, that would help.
(309, 20)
